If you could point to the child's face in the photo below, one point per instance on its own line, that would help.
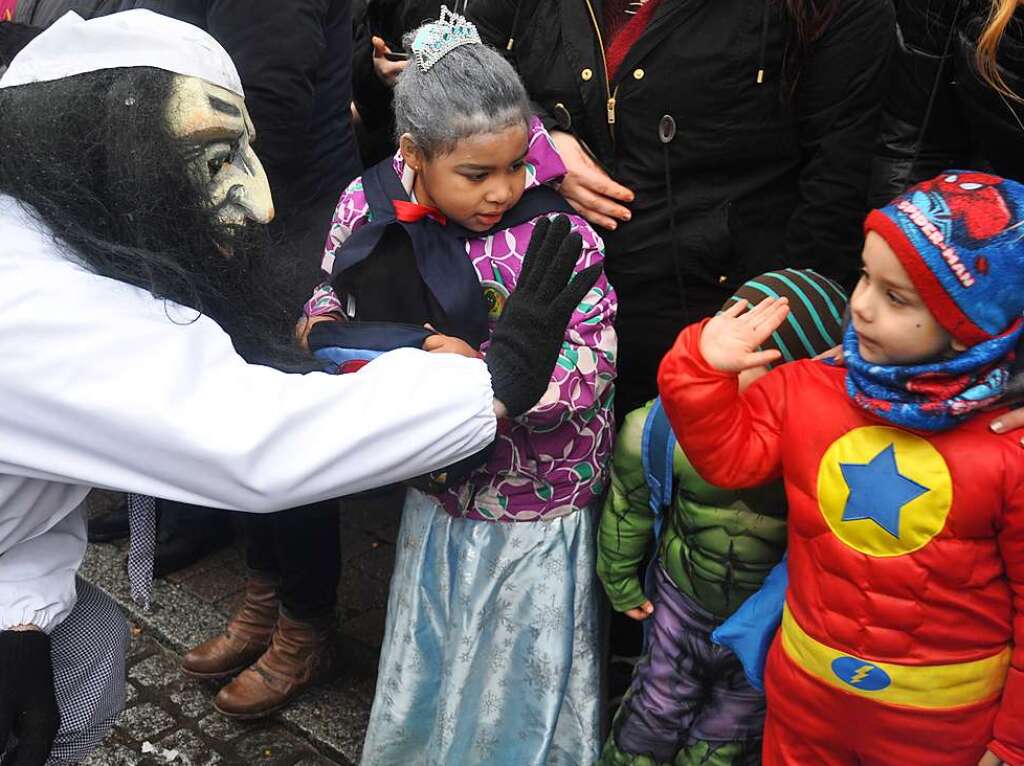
(478, 181)
(893, 324)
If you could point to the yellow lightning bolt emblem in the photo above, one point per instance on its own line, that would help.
(862, 671)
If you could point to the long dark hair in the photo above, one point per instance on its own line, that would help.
(92, 157)
(808, 21)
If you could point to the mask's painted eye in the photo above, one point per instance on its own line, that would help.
(970, 186)
(221, 156)
(215, 164)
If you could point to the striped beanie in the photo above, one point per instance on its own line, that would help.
(816, 309)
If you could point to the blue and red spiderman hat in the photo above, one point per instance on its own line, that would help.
(960, 236)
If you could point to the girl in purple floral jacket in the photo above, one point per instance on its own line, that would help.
(490, 653)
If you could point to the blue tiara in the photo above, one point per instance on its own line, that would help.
(438, 38)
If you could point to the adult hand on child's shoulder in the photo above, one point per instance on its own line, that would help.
(1008, 421)
(729, 341)
(641, 612)
(1014, 419)
(990, 759)
(590, 191)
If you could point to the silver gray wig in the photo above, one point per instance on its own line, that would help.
(470, 90)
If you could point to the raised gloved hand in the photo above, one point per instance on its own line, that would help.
(528, 336)
(28, 705)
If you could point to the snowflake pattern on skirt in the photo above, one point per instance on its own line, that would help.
(478, 668)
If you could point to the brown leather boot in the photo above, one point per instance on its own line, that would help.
(300, 655)
(245, 638)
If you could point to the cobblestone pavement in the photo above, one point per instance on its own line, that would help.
(323, 727)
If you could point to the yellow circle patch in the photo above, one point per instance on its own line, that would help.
(495, 297)
(884, 492)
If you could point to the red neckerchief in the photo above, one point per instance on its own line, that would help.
(410, 212)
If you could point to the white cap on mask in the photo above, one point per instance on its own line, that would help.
(137, 38)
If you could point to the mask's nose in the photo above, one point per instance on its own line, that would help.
(246, 190)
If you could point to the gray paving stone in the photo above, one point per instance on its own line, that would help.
(270, 747)
(156, 670)
(377, 564)
(193, 700)
(215, 583)
(140, 644)
(145, 721)
(339, 720)
(358, 593)
(194, 751)
(130, 693)
(218, 727)
(367, 628)
(355, 542)
(228, 605)
(114, 755)
(318, 760)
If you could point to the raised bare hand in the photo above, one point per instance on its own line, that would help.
(730, 340)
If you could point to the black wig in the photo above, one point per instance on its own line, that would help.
(93, 158)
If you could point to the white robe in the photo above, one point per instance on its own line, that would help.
(101, 385)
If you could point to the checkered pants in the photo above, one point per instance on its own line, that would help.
(88, 654)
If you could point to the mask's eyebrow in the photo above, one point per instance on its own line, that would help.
(224, 107)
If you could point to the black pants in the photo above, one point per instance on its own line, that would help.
(300, 547)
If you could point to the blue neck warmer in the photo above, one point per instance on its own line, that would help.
(934, 396)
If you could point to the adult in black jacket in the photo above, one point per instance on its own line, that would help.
(971, 123)
(763, 135)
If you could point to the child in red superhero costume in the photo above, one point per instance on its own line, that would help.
(902, 641)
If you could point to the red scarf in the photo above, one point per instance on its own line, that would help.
(624, 30)
(410, 212)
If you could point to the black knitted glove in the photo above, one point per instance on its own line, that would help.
(28, 705)
(527, 338)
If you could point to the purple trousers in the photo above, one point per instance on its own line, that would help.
(686, 689)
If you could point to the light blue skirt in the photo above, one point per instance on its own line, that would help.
(490, 652)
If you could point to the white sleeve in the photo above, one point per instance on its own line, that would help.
(104, 386)
(37, 576)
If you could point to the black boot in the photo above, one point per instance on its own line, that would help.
(188, 533)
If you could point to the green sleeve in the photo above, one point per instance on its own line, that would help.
(626, 532)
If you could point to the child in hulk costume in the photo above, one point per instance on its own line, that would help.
(689, 702)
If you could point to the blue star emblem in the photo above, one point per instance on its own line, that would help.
(878, 491)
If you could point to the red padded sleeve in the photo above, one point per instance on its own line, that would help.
(733, 440)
